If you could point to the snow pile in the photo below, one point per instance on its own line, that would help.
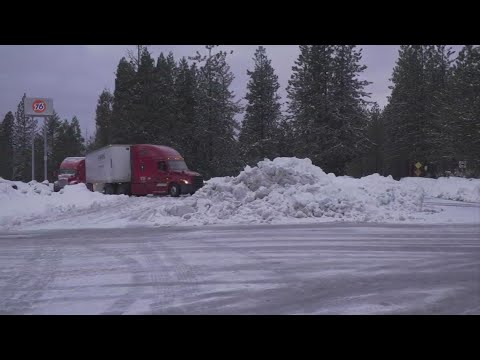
(452, 188)
(35, 201)
(291, 188)
(31, 188)
(284, 190)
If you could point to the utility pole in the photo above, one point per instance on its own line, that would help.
(45, 175)
(33, 150)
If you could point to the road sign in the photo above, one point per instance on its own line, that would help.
(462, 164)
(38, 107)
(418, 165)
(418, 172)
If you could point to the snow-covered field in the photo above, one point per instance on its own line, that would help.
(285, 190)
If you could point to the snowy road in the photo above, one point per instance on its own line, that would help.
(335, 268)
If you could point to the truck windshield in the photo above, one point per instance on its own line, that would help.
(66, 171)
(176, 165)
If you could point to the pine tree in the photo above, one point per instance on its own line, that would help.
(53, 124)
(216, 115)
(185, 112)
(136, 56)
(68, 142)
(439, 137)
(39, 163)
(91, 144)
(6, 145)
(310, 103)
(372, 160)
(103, 119)
(285, 137)
(403, 112)
(77, 142)
(350, 115)
(124, 123)
(466, 123)
(63, 139)
(260, 128)
(416, 116)
(23, 135)
(327, 105)
(142, 121)
(376, 134)
(164, 130)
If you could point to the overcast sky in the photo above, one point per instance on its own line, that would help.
(75, 75)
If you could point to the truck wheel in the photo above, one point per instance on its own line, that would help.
(90, 186)
(109, 189)
(123, 189)
(174, 190)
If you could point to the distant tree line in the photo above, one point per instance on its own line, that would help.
(432, 116)
(189, 105)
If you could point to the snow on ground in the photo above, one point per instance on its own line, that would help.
(279, 191)
(452, 188)
(36, 201)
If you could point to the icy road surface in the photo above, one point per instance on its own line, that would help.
(334, 268)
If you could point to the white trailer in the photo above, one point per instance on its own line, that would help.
(100, 168)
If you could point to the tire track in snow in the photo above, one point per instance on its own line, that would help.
(35, 276)
(181, 272)
(125, 301)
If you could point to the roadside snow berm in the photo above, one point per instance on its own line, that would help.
(291, 188)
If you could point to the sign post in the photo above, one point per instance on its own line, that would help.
(39, 107)
(33, 153)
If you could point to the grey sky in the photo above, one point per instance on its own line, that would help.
(75, 75)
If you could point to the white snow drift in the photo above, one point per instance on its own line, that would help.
(452, 188)
(290, 188)
(278, 191)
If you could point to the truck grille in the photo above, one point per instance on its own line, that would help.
(197, 182)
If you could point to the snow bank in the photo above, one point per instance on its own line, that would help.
(452, 188)
(36, 201)
(31, 188)
(284, 190)
(291, 188)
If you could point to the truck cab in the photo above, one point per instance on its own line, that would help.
(71, 171)
(162, 170)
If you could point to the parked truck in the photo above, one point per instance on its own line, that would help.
(72, 171)
(140, 170)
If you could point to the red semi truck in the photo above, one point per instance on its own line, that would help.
(72, 171)
(140, 169)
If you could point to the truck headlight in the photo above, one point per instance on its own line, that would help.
(185, 182)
